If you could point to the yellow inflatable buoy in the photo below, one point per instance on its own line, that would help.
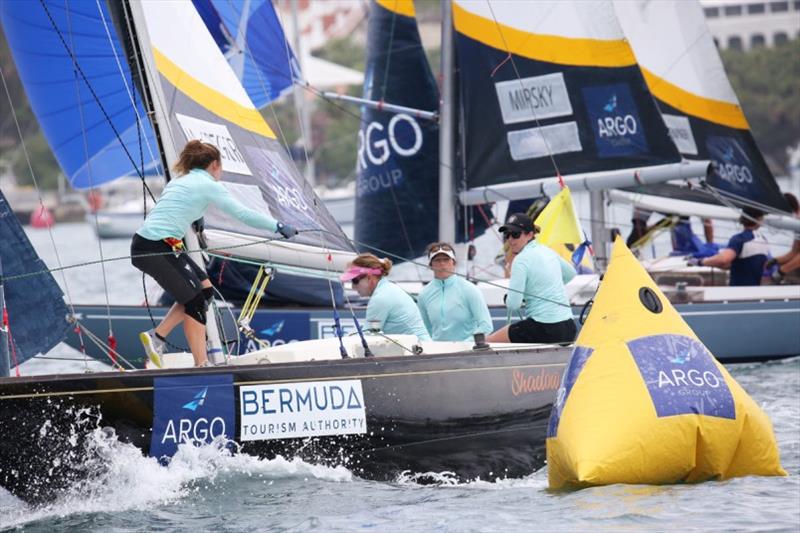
(644, 401)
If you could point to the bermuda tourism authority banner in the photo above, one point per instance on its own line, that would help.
(296, 410)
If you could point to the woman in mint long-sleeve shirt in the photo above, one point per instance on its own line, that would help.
(157, 246)
(538, 276)
(390, 307)
(452, 308)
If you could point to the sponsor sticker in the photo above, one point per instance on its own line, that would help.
(576, 363)
(276, 329)
(219, 136)
(297, 410)
(681, 132)
(617, 128)
(193, 409)
(534, 98)
(326, 328)
(730, 161)
(542, 142)
(681, 377)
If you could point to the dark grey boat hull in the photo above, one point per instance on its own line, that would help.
(475, 414)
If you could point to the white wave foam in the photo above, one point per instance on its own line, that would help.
(536, 480)
(127, 480)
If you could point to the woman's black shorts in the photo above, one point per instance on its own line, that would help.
(178, 275)
(531, 331)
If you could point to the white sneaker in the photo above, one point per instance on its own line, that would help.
(153, 346)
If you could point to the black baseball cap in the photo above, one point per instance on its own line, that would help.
(517, 222)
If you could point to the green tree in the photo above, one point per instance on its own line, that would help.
(767, 82)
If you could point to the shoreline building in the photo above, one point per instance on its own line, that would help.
(747, 24)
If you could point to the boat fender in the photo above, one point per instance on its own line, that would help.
(643, 401)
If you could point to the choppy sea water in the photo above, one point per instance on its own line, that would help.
(205, 488)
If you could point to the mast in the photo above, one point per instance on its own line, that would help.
(447, 199)
(166, 143)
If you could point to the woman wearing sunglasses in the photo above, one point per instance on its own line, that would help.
(538, 276)
(452, 308)
(389, 305)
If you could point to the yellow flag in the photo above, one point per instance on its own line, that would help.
(558, 222)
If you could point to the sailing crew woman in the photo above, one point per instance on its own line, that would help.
(157, 246)
(452, 308)
(538, 276)
(389, 305)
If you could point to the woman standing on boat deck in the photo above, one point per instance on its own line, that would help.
(389, 305)
(157, 247)
(452, 308)
(538, 275)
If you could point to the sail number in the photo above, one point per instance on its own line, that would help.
(375, 145)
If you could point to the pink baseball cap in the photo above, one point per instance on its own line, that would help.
(354, 271)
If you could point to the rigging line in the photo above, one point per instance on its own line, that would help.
(488, 282)
(133, 103)
(149, 254)
(388, 57)
(522, 86)
(306, 140)
(38, 191)
(91, 90)
(103, 346)
(91, 177)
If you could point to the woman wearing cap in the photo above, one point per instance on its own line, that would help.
(452, 308)
(538, 276)
(389, 305)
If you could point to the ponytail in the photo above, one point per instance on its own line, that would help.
(196, 154)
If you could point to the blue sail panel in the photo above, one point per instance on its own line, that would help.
(36, 310)
(251, 37)
(397, 193)
(83, 105)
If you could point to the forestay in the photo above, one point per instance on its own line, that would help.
(684, 72)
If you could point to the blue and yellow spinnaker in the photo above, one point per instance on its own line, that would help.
(644, 401)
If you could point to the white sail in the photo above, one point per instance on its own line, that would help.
(202, 98)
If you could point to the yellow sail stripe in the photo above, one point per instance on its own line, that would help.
(214, 101)
(716, 111)
(547, 48)
(401, 7)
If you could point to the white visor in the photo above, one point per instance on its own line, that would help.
(441, 251)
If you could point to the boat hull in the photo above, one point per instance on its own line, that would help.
(743, 331)
(480, 414)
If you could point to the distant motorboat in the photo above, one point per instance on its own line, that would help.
(117, 222)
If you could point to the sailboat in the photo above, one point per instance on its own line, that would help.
(377, 404)
(557, 96)
(399, 219)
